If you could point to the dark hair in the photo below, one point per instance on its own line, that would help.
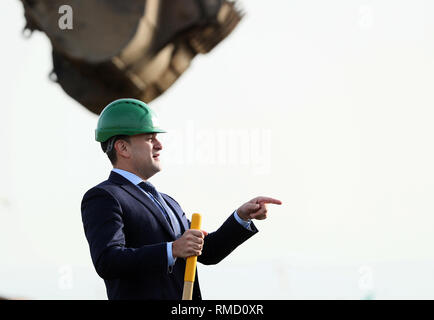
(110, 143)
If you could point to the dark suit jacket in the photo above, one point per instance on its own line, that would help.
(127, 236)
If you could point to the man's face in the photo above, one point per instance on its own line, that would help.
(145, 151)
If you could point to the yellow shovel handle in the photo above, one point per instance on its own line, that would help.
(190, 267)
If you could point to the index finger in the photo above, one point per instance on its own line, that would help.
(197, 233)
(262, 200)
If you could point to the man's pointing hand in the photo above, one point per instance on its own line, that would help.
(256, 208)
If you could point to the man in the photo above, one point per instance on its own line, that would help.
(138, 237)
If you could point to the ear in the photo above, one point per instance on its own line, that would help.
(122, 148)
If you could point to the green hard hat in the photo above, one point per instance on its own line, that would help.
(125, 117)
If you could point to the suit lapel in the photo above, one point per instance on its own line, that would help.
(140, 196)
(177, 210)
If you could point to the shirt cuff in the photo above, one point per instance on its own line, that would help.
(245, 224)
(170, 259)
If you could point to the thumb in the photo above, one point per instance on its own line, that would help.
(252, 207)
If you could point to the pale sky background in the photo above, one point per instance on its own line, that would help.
(325, 105)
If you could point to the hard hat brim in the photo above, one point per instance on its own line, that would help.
(104, 135)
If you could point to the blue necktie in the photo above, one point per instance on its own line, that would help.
(168, 214)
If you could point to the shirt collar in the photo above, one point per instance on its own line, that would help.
(128, 175)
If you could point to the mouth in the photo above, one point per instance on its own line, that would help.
(155, 156)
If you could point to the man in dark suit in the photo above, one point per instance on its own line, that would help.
(138, 237)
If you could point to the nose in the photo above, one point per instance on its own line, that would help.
(157, 144)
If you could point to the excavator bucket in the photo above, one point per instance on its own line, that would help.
(134, 48)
